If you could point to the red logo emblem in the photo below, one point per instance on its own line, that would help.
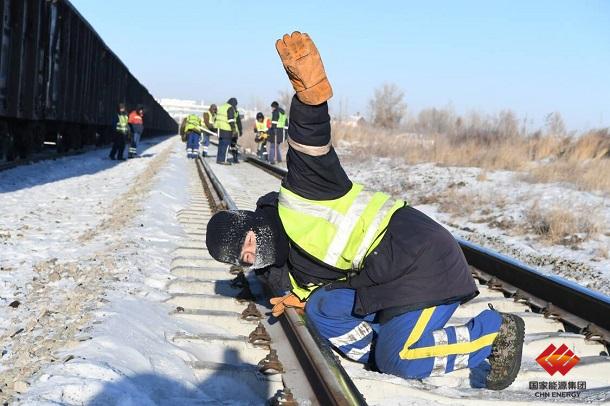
(555, 359)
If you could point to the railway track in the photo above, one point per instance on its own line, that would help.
(308, 372)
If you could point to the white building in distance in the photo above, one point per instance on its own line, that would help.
(178, 108)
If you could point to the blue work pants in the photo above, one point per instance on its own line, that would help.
(223, 146)
(415, 344)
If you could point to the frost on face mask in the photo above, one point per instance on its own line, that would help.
(265, 247)
(226, 233)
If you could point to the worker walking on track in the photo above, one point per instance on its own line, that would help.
(229, 127)
(209, 121)
(136, 124)
(279, 124)
(192, 128)
(120, 124)
(377, 278)
(261, 133)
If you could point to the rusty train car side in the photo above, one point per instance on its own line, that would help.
(60, 83)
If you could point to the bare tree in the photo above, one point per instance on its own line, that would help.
(507, 124)
(436, 121)
(387, 107)
(554, 124)
(285, 99)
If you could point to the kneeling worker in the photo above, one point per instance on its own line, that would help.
(371, 272)
(192, 129)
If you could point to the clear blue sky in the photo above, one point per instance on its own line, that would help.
(531, 56)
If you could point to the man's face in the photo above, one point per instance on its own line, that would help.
(248, 250)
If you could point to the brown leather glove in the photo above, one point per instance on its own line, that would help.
(304, 67)
(281, 303)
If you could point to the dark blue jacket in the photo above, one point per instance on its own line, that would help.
(417, 264)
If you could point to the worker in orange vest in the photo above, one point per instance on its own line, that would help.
(136, 124)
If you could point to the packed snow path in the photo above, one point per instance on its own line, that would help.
(108, 310)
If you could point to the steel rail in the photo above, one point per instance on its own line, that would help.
(580, 309)
(317, 359)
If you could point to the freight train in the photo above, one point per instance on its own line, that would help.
(60, 83)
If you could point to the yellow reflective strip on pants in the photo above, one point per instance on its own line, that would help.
(449, 349)
(418, 330)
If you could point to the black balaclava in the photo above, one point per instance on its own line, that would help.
(226, 233)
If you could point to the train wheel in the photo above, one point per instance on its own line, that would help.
(60, 140)
(38, 137)
(10, 147)
(25, 138)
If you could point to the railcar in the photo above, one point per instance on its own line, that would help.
(60, 83)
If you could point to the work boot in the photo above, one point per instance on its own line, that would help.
(505, 358)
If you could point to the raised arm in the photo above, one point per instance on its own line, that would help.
(314, 170)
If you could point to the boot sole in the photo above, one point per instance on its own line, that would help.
(520, 324)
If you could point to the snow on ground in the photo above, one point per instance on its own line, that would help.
(86, 252)
(492, 209)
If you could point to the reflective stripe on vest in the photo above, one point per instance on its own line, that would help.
(122, 125)
(340, 232)
(222, 117)
(193, 123)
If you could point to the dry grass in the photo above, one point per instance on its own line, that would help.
(582, 161)
(562, 224)
(588, 175)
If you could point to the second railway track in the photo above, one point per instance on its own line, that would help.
(240, 186)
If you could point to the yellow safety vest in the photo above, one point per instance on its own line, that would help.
(211, 118)
(236, 118)
(122, 124)
(261, 127)
(281, 121)
(193, 123)
(339, 233)
(222, 117)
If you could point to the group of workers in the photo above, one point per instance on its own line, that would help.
(223, 121)
(270, 134)
(378, 279)
(126, 129)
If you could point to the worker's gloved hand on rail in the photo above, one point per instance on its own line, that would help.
(281, 303)
(304, 67)
(353, 281)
